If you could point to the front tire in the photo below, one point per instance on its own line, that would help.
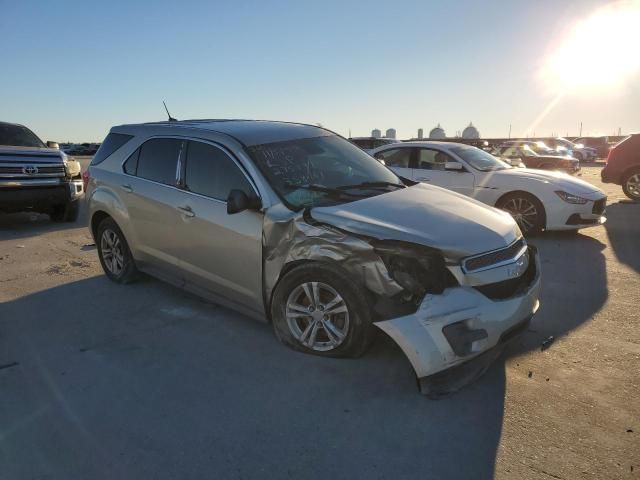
(317, 309)
(114, 253)
(631, 185)
(526, 210)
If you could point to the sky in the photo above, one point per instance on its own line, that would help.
(72, 69)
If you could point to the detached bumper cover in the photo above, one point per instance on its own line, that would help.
(474, 323)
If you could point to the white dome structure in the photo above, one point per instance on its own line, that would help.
(391, 133)
(470, 132)
(375, 133)
(437, 133)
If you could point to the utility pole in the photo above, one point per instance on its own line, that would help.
(509, 130)
(580, 129)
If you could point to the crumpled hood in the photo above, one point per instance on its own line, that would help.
(40, 155)
(559, 180)
(428, 215)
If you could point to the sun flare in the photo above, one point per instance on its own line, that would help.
(597, 53)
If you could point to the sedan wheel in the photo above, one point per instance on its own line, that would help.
(317, 316)
(526, 211)
(112, 252)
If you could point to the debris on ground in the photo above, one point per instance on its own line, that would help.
(530, 374)
(546, 343)
(19, 246)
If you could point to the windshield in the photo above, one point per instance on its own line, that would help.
(19, 136)
(479, 159)
(321, 171)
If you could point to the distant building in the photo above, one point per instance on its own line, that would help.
(375, 133)
(470, 132)
(437, 133)
(391, 133)
(420, 134)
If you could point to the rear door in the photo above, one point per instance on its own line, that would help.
(219, 253)
(150, 194)
(398, 160)
(430, 168)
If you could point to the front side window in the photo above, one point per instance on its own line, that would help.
(211, 172)
(481, 160)
(158, 160)
(432, 159)
(397, 157)
(326, 170)
(19, 136)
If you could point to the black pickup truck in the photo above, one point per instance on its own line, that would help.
(36, 176)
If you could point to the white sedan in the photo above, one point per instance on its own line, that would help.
(537, 199)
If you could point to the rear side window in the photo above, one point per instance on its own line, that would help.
(112, 143)
(397, 157)
(158, 160)
(212, 173)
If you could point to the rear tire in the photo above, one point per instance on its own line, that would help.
(526, 210)
(302, 306)
(114, 253)
(631, 184)
(65, 213)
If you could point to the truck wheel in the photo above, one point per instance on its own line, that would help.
(631, 185)
(114, 253)
(317, 309)
(65, 213)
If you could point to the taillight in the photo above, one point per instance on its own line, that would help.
(85, 178)
(609, 155)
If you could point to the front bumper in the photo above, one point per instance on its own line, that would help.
(567, 216)
(460, 324)
(16, 195)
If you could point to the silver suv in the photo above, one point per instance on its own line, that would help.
(295, 225)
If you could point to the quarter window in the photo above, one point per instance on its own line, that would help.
(397, 157)
(212, 173)
(432, 159)
(158, 160)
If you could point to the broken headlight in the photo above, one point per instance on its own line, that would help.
(418, 269)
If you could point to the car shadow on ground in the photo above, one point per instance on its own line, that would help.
(574, 287)
(623, 229)
(32, 224)
(144, 381)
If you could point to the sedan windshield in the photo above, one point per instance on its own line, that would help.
(19, 136)
(321, 171)
(479, 159)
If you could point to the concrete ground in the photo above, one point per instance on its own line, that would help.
(144, 381)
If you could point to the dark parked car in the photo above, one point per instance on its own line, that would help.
(531, 159)
(623, 166)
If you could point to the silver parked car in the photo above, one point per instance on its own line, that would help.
(295, 225)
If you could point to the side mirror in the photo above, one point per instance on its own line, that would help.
(453, 166)
(51, 144)
(238, 201)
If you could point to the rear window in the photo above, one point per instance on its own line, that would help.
(158, 160)
(19, 136)
(112, 143)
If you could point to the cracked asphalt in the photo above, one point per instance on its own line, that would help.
(105, 381)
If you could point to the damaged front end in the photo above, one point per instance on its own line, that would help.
(442, 312)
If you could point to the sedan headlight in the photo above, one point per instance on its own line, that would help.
(571, 198)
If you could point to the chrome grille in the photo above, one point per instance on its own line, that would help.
(20, 170)
(492, 258)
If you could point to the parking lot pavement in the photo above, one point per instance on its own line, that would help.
(99, 380)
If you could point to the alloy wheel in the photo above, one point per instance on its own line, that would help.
(633, 185)
(112, 253)
(524, 212)
(317, 316)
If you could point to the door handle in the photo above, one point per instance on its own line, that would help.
(187, 211)
(126, 187)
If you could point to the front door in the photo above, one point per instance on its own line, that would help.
(219, 253)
